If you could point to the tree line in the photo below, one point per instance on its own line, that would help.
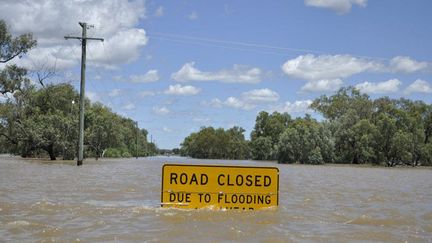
(38, 120)
(42, 120)
(355, 129)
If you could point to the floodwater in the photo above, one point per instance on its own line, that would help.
(119, 201)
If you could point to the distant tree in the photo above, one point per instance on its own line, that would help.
(345, 100)
(305, 141)
(364, 134)
(210, 143)
(176, 151)
(102, 129)
(426, 153)
(261, 148)
(268, 128)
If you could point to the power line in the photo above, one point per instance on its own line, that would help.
(200, 40)
(246, 44)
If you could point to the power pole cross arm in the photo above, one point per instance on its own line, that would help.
(83, 39)
(80, 38)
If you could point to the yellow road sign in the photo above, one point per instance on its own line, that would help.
(220, 187)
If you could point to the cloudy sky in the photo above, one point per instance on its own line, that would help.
(175, 66)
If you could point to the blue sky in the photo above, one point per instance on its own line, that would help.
(175, 66)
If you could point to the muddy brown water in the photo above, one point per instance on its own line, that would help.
(119, 201)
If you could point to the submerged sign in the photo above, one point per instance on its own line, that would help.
(221, 187)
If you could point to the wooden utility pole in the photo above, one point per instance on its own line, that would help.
(83, 39)
(136, 140)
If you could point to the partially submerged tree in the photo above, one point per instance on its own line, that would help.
(13, 81)
(305, 141)
(265, 135)
(210, 143)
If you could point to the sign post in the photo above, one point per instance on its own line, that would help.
(219, 187)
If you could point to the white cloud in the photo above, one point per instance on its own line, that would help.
(51, 20)
(6, 97)
(182, 90)
(159, 12)
(419, 86)
(333, 67)
(193, 16)
(201, 119)
(260, 95)
(57, 57)
(299, 106)
(94, 97)
(323, 85)
(166, 129)
(237, 103)
(388, 86)
(309, 67)
(143, 94)
(149, 77)
(231, 102)
(115, 93)
(340, 6)
(248, 100)
(239, 74)
(406, 65)
(122, 47)
(129, 106)
(161, 110)
(216, 103)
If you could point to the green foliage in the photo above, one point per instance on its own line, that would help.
(210, 143)
(315, 157)
(13, 78)
(426, 154)
(265, 136)
(261, 148)
(357, 130)
(305, 141)
(113, 153)
(41, 119)
(382, 131)
(47, 119)
(13, 46)
(101, 129)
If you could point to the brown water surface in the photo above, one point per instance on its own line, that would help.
(119, 201)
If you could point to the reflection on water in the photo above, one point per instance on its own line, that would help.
(119, 200)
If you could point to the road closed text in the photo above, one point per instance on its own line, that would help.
(222, 179)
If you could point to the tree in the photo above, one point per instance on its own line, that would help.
(41, 120)
(364, 136)
(346, 99)
(261, 148)
(102, 129)
(45, 120)
(210, 143)
(305, 141)
(400, 150)
(238, 147)
(426, 153)
(268, 127)
(12, 82)
(349, 112)
(12, 77)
